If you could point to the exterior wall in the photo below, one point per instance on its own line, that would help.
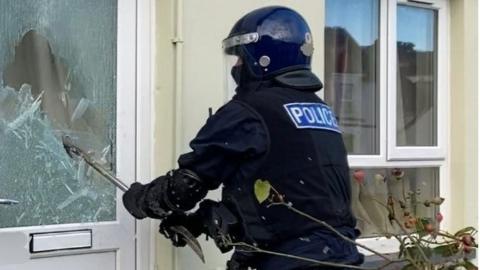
(203, 26)
(464, 113)
(164, 112)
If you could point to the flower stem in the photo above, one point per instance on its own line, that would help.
(316, 262)
(416, 243)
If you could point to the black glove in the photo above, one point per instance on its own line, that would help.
(143, 201)
(134, 200)
(191, 222)
(176, 192)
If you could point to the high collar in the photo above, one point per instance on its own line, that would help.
(303, 80)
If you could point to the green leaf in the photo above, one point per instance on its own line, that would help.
(426, 220)
(446, 250)
(420, 230)
(466, 230)
(262, 190)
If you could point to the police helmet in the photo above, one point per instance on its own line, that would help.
(267, 42)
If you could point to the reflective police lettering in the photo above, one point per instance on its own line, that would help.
(297, 113)
(312, 115)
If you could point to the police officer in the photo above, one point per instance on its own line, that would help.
(275, 128)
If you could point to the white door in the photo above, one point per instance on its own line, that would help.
(67, 67)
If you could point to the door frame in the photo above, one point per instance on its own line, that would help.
(134, 142)
(145, 54)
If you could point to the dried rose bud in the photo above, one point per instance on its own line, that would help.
(407, 225)
(467, 249)
(398, 174)
(437, 200)
(359, 176)
(426, 203)
(429, 228)
(406, 214)
(402, 204)
(439, 217)
(468, 240)
(412, 220)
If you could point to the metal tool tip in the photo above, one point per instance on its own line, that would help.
(67, 144)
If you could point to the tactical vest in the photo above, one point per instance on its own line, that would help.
(306, 162)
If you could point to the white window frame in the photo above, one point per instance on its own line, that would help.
(390, 155)
(368, 160)
(414, 152)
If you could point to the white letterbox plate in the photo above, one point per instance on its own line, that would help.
(54, 241)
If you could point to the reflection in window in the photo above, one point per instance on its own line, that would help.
(57, 77)
(408, 189)
(416, 76)
(351, 71)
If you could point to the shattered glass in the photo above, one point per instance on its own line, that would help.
(57, 77)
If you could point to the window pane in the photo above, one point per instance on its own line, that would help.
(416, 76)
(409, 189)
(57, 77)
(351, 71)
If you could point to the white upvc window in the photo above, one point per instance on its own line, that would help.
(418, 99)
(386, 77)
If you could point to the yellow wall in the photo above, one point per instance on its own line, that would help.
(207, 22)
(164, 110)
(464, 113)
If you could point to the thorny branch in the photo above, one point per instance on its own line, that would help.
(323, 223)
(407, 234)
(252, 248)
(280, 201)
(424, 262)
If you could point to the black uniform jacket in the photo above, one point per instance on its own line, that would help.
(279, 130)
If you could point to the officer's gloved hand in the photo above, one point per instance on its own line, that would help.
(191, 222)
(147, 200)
(134, 200)
(176, 192)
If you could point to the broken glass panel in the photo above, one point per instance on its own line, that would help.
(57, 78)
